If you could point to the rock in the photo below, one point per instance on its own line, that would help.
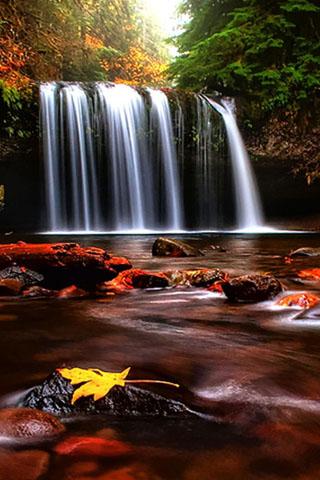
(310, 274)
(252, 288)
(61, 264)
(55, 393)
(92, 446)
(28, 423)
(135, 278)
(37, 291)
(23, 465)
(72, 292)
(9, 286)
(25, 276)
(170, 247)
(305, 252)
(196, 278)
(119, 264)
(302, 300)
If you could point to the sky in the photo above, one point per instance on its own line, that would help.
(163, 11)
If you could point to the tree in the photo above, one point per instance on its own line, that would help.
(268, 52)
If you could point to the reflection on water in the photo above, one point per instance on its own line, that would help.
(254, 369)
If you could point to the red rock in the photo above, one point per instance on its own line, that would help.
(28, 423)
(72, 292)
(119, 264)
(303, 300)
(310, 274)
(92, 446)
(24, 465)
(136, 278)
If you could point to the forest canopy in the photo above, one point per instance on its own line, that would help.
(268, 51)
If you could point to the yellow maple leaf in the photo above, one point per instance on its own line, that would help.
(98, 383)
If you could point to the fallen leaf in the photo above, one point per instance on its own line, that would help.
(98, 383)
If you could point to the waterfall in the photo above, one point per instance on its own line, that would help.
(248, 203)
(161, 120)
(122, 159)
(123, 113)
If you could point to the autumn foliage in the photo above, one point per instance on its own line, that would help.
(136, 67)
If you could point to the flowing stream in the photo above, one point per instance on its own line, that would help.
(254, 369)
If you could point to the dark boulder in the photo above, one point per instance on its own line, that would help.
(170, 247)
(28, 423)
(305, 252)
(252, 288)
(55, 393)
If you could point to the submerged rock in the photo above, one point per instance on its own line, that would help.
(28, 423)
(55, 393)
(93, 446)
(252, 288)
(72, 292)
(23, 465)
(170, 247)
(305, 252)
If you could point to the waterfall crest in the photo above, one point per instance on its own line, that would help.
(122, 159)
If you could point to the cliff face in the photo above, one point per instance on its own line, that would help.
(292, 140)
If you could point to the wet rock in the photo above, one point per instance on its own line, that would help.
(93, 446)
(170, 247)
(310, 274)
(9, 286)
(55, 393)
(305, 252)
(24, 465)
(252, 288)
(37, 291)
(27, 423)
(202, 278)
(119, 264)
(61, 264)
(135, 278)
(302, 300)
(72, 292)
(26, 277)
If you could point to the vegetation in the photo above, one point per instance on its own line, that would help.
(80, 40)
(266, 51)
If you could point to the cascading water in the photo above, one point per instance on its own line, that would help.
(248, 202)
(161, 121)
(126, 160)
